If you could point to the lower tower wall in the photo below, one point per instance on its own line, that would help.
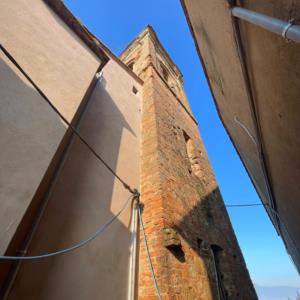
(192, 245)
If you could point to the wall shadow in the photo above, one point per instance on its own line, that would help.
(83, 195)
(206, 228)
(30, 132)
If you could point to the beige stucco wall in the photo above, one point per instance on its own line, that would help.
(213, 33)
(55, 58)
(84, 196)
(273, 66)
(277, 95)
(63, 67)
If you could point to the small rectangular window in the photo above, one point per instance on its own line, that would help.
(134, 90)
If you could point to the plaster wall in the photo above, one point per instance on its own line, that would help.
(277, 96)
(63, 67)
(84, 196)
(273, 68)
(211, 25)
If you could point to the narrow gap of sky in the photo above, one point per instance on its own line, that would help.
(116, 23)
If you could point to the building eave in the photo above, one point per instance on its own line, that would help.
(78, 28)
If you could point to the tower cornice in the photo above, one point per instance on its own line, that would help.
(149, 31)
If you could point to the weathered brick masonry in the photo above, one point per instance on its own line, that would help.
(193, 247)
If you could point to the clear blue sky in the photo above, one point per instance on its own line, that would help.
(116, 23)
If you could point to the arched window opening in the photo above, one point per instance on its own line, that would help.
(173, 88)
(202, 247)
(192, 154)
(165, 73)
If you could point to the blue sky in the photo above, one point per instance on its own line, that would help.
(116, 23)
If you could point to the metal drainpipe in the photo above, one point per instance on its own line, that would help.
(132, 272)
(288, 30)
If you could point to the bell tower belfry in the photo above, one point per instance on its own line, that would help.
(146, 50)
(192, 245)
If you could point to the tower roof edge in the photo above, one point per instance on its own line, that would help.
(148, 29)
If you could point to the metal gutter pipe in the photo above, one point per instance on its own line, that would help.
(134, 229)
(288, 30)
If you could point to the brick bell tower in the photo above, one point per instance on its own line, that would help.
(193, 248)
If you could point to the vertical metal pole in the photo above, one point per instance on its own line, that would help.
(133, 253)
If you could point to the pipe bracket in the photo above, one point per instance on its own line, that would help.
(286, 29)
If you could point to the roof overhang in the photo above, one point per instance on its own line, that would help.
(253, 75)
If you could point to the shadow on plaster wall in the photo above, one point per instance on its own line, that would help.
(79, 202)
(29, 132)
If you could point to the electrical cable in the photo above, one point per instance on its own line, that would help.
(273, 211)
(148, 254)
(244, 205)
(75, 131)
(76, 246)
(246, 130)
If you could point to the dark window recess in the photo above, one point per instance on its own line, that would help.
(165, 73)
(217, 257)
(134, 90)
(173, 243)
(203, 247)
(199, 243)
(209, 216)
(130, 65)
(173, 88)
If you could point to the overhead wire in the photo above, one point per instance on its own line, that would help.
(244, 205)
(134, 192)
(76, 246)
(267, 206)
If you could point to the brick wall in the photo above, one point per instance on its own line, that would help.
(190, 237)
